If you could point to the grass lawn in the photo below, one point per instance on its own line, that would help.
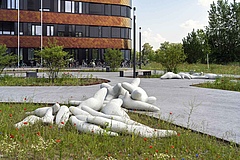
(213, 68)
(40, 142)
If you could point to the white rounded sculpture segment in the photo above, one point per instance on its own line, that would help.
(170, 75)
(62, 116)
(29, 120)
(114, 108)
(129, 103)
(48, 117)
(89, 128)
(77, 111)
(96, 102)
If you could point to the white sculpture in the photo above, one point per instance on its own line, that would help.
(103, 110)
(171, 75)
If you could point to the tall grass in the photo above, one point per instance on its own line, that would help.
(49, 142)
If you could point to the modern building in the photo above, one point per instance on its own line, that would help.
(85, 28)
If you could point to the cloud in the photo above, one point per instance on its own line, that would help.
(191, 24)
(153, 39)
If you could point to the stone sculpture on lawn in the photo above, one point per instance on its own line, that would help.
(105, 112)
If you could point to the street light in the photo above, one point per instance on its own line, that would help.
(140, 48)
(134, 43)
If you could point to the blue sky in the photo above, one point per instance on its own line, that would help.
(170, 20)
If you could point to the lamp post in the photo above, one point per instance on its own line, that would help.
(140, 48)
(134, 43)
(41, 39)
(18, 28)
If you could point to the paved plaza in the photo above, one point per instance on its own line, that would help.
(215, 112)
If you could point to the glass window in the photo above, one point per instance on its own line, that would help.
(46, 5)
(123, 11)
(80, 31)
(61, 30)
(107, 9)
(50, 30)
(128, 12)
(106, 32)
(116, 32)
(78, 7)
(68, 6)
(94, 31)
(116, 10)
(30, 53)
(96, 8)
(59, 5)
(11, 4)
(7, 28)
(36, 30)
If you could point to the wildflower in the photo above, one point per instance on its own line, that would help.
(38, 133)
(25, 99)
(22, 135)
(92, 131)
(170, 113)
(145, 139)
(11, 136)
(62, 122)
(178, 134)
(151, 146)
(58, 140)
(156, 151)
(24, 109)
(166, 151)
(0, 111)
(10, 106)
(197, 155)
(10, 115)
(51, 127)
(75, 124)
(25, 122)
(16, 129)
(172, 147)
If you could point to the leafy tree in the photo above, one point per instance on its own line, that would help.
(54, 58)
(196, 47)
(223, 31)
(6, 59)
(148, 52)
(113, 58)
(170, 55)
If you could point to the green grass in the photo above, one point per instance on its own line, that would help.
(49, 142)
(225, 83)
(63, 81)
(213, 68)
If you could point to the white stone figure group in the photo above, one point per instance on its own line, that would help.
(104, 113)
(171, 75)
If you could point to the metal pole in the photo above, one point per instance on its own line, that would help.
(134, 43)
(207, 61)
(140, 48)
(18, 52)
(41, 29)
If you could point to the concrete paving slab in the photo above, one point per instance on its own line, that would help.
(215, 112)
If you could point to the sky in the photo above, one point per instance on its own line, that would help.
(169, 20)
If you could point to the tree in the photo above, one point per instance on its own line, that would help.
(223, 31)
(6, 59)
(170, 55)
(196, 47)
(54, 58)
(147, 52)
(113, 58)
